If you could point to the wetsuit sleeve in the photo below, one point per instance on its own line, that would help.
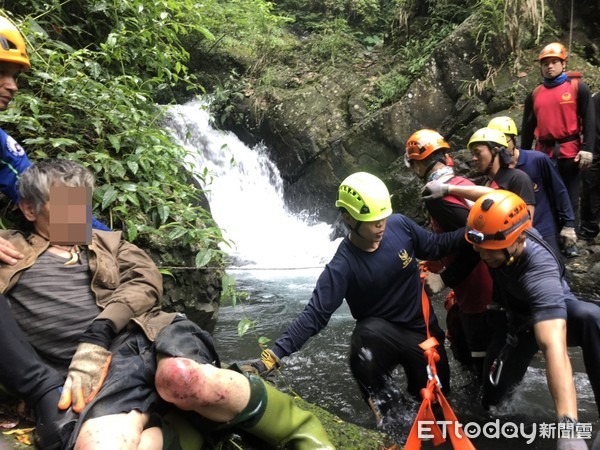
(558, 192)
(528, 124)
(585, 110)
(327, 296)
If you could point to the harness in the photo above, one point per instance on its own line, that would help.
(432, 394)
(573, 81)
(512, 339)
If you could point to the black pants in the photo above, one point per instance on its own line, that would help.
(379, 346)
(583, 330)
(590, 202)
(22, 371)
(571, 176)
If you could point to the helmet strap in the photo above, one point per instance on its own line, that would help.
(510, 257)
(356, 227)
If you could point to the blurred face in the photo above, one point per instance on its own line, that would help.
(481, 156)
(552, 67)
(66, 219)
(9, 73)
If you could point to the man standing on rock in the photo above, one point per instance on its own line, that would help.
(560, 115)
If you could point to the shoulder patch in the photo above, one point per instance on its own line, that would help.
(14, 147)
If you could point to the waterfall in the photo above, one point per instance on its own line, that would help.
(245, 192)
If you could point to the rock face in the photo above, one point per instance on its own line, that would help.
(320, 127)
(187, 289)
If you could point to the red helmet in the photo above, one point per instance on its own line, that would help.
(553, 50)
(423, 143)
(497, 219)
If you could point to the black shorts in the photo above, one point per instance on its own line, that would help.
(129, 384)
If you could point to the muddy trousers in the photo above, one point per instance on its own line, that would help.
(378, 346)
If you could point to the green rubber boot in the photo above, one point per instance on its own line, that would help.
(275, 418)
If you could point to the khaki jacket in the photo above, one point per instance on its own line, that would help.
(125, 281)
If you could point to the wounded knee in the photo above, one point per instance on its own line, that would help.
(180, 381)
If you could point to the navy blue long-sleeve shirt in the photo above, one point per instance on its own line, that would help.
(553, 208)
(384, 283)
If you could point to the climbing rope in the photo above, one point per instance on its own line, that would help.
(432, 394)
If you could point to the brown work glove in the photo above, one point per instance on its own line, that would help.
(87, 372)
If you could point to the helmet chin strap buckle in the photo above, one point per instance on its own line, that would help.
(510, 258)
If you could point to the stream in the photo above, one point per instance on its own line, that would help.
(275, 259)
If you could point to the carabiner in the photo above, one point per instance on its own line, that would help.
(496, 371)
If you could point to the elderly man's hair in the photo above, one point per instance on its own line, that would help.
(34, 184)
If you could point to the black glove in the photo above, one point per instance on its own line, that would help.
(263, 367)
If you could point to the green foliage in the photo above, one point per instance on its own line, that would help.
(98, 67)
(331, 41)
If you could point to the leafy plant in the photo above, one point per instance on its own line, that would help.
(97, 69)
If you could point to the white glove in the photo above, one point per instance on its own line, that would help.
(434, 283)
(434, 189)
(585, 159)
(568, 237)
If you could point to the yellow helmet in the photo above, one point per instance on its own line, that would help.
(488, 135)
(12, 44)
(504, 124)
(365, 197)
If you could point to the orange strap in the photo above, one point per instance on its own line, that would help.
(432, 393)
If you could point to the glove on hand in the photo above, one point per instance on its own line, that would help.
(571, 444)
(87, 372)
(434, 190)
(434, 283)
(568, 237)
(264, 366)
(585, 159)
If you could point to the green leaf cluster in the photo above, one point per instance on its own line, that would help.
(99, 68)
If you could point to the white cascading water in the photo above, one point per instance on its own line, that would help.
(245, 192)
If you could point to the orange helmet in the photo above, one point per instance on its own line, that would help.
(553, 50)
(423, 143)
(12, 44)
(496, 220)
